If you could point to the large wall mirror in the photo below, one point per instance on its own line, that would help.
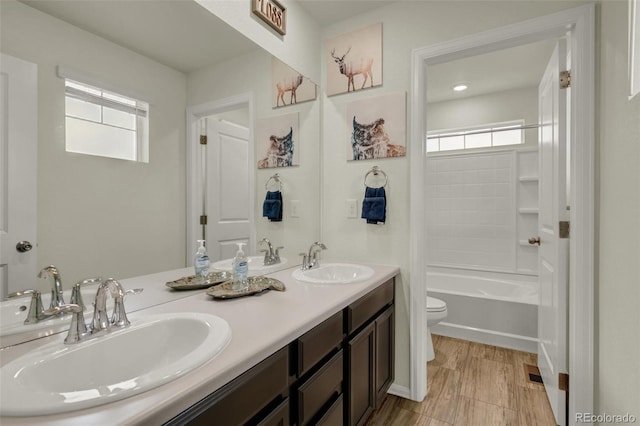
(100, 216)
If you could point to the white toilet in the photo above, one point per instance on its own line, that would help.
(436, 312)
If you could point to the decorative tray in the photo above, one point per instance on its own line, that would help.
(194, 282)
(256, 285)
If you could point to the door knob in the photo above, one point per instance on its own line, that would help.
(534, 240)
(24, 246)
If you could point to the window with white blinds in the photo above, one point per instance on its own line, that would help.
(104, 123)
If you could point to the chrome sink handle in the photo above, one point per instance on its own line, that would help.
(277, 254)
(101, 321)
(35, 306)
(76, 295)
(305, 261)
(78, 328)
(119, 317)
(51, 271)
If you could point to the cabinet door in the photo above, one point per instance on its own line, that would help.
(385, 353)
(361, 353)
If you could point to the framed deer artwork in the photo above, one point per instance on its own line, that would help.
(289, 86)
(376, 127)
(354, 60)
(277, 141)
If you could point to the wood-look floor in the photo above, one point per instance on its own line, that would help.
(471, 384)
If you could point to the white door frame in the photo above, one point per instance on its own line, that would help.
(194, 184)
(581, 22)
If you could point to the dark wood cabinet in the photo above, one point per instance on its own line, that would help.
(337, 373)
(370, 352)
(249, 399)
(360, 375)
(385, 353)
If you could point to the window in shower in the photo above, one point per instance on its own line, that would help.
(485, 136)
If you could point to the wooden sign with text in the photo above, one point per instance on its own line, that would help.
(273, 13)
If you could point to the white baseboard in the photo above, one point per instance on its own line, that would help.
(488, 337)
(401, 391)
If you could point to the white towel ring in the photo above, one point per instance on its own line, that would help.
(275, 178)
(376, 170)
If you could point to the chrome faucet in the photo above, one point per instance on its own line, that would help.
(119, 318)
(57, 298)
(271, 257)
(37, 312)
(311, 259)
(101, 323)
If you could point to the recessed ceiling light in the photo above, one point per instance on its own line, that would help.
(460, 87)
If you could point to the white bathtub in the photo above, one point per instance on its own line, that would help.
(493, 308)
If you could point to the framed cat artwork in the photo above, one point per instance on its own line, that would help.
(376, 127)
(277, 141)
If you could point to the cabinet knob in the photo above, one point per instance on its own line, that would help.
(534, 240)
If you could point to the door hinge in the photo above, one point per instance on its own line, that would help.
(563, 381)
(203, 219)
(565, 79)
(203, 139)
(564, 229)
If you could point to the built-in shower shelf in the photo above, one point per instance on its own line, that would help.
(525, 210)
(528, 178)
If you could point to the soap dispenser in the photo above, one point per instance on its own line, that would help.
(201, 261)
(240, 269)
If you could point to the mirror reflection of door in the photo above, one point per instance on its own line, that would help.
(18, 154)
(227, 188)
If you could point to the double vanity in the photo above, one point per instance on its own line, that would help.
(320, 352)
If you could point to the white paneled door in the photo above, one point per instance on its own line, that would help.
(18, 162)
(227, 192)
(553, 248)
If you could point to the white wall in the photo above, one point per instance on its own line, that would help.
(298, 48)
(516, 104)
(100, 216)
(406, 25)
(247, 74)
(618, 288)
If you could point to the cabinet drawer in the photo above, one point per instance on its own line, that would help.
(319, 342)
(278, 417)
(242, 399)
(320, 388)
(334, 415)
(360, 311)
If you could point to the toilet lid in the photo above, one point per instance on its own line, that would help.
(435, 305)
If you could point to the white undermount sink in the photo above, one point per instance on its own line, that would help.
(153, 350)
(334, 273)
(256, 264)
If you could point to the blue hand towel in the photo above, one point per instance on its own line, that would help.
(272, 206)
(374, 205)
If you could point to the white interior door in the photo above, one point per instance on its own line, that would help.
(18, 165)
(228, 191)
(553, 250)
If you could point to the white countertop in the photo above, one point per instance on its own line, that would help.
(260, 326)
